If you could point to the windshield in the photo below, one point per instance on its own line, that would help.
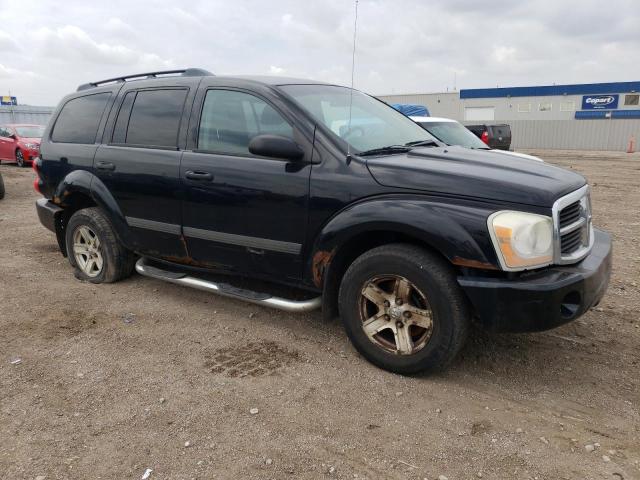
(373, 124)
(453, 133)
(34, 131)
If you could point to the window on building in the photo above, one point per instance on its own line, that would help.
(567, 106)
(79, 119)
(632, 99)
(155, 118)
(524, 107)
(545, 106)
(231, 119)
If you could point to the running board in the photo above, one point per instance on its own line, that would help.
(226, 290)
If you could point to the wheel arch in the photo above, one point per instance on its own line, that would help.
(453, 232)
(81, 189)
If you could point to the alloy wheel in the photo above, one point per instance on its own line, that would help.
(19, 158)
(395, 315)
(86, 251)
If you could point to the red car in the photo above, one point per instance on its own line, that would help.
(20, 143)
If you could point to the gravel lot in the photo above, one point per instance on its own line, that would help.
(117, 379)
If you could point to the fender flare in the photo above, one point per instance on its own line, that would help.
(456, 230)
(86, 183)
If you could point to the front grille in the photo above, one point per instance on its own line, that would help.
(572, 220)
(570, 214)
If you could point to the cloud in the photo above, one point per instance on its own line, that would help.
(402, 45)
(73, 43)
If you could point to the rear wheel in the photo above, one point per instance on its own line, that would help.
(403, 309)
(93, 249)
(20, 158)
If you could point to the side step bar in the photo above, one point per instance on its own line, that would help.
(226, 290)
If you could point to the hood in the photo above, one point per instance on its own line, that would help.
(475, 173)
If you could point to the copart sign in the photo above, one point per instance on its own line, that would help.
(599, 102)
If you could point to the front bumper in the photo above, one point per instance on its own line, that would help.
(545, 299)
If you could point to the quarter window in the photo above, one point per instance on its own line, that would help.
(79, 119)
(151, 119)
(231, 119)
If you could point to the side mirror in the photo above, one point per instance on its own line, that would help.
(13, 136)
(275, 146)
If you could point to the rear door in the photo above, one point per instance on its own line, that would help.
(243, 212)
(139, 161)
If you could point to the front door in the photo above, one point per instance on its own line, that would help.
(242, 212)
(139, 164)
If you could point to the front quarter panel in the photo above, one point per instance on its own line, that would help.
(454, 228)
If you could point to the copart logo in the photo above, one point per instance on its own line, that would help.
(600, 101)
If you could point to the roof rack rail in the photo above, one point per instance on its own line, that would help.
(186, 72)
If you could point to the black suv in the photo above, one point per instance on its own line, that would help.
(494, 136)
(324, 189)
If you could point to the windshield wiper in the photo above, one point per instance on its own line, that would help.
(386, 150)
(422, 143)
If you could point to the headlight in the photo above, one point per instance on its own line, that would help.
(32, 146)
(522, 240)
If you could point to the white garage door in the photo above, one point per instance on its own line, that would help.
(479, 113)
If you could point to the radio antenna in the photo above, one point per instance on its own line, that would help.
(353, 67)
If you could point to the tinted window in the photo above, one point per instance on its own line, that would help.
(79, 119)
(155, 118)
(4, 132)
(122, 122)
(231, 119)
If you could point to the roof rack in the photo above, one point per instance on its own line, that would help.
(186, 72)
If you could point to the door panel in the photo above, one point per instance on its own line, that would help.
(140, 167)
(145, 184)
(250, 215)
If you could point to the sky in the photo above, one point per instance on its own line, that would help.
(48, 48)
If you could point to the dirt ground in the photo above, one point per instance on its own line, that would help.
(117, 379)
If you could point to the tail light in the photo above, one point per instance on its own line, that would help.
(35, 165)
(485, 137)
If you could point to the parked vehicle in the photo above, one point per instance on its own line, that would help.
(495, 136)
(452, 132)
(20, 143)
(272, 178)
(1, 187)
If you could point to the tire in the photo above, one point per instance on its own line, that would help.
(424, 337)
(1, 187)
(115, 261)
(20, 158)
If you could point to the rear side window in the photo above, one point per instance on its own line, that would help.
(231, 119)
(150, 118)
(79, 119)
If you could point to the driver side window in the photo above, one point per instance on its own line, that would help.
(4, 132)
(230, 119)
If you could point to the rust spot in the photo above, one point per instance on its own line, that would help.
(467, 262)
(321, 260)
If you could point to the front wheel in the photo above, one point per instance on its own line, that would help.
(403, 309)
(93, 249)
(20, 158)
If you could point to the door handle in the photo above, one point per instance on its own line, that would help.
(105, 166)
(202, 176)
